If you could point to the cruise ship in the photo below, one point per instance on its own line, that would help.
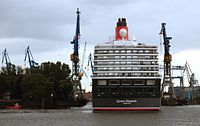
(126, 74)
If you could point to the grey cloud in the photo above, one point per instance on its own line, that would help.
(34, 19)
(50, 24)
(111, 2)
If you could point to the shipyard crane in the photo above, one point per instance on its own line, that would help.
(181, 80)
(84, 51)
(191, 76)
(90, 62)
(181, 68)
(6, 60)
(167, 79)
(83, 59)
(76, 74)
(29, 55)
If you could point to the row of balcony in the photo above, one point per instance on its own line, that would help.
(129, 75)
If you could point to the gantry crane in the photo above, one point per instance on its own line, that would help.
(90, 62)
(84, 51)
(191, 76)
(83, 59)
(76, 74)
(181, 69)
(31, 61)
(6, 60)
(167, 79)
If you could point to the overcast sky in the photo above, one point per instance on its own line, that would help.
(48, 26)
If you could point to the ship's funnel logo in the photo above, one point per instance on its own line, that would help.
(123, 33)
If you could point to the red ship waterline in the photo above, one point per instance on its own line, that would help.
(126, 74)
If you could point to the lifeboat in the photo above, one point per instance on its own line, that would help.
(15, 106)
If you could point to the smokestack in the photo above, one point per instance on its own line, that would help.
(121, 31)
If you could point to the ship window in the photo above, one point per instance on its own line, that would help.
(100, 51)
(123, 57)
(147, 57)
(110, 62)
(117, 57)
(126, 82)
(114, 82)
(150, 82)
(116, 68)
(128, 68)
(123, 51)
(110, 68)
(110, 51)
(114, 92)
(123, 68)
(101, 82)
(128, 62)
(100, 63)
(123, 62)
(138, 82)
(116, 51)
(117, 62)
(105, 68)
(128, 51)
(134, 57)
(105, 51)
(128, 57)
(140, 51)
(99, 57)
(147, 63)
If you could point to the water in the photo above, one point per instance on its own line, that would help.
(168, 116)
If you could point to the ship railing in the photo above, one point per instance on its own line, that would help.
(127, 53)
(127, 76)
(131, 70)
(145, 59)
(113, 64)
(127, 46)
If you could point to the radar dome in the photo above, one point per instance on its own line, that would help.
(122, 32)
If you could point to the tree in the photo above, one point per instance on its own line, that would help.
(7, 84)
(37, 89)
(56, 73)
(47, 82)
(4, 87)
(65, 89)
(10, 71)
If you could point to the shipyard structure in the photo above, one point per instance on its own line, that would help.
(126, 74)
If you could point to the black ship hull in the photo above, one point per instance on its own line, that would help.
(126, 97)
(126, 104)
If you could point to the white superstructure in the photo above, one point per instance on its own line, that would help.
(118, 60)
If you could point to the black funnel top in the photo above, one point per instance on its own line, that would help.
(121, 22)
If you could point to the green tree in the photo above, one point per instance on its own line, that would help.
(37, 89)
(7, 83)
(10, 71)
(4, 87)
(65, 89)
(56, 73)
